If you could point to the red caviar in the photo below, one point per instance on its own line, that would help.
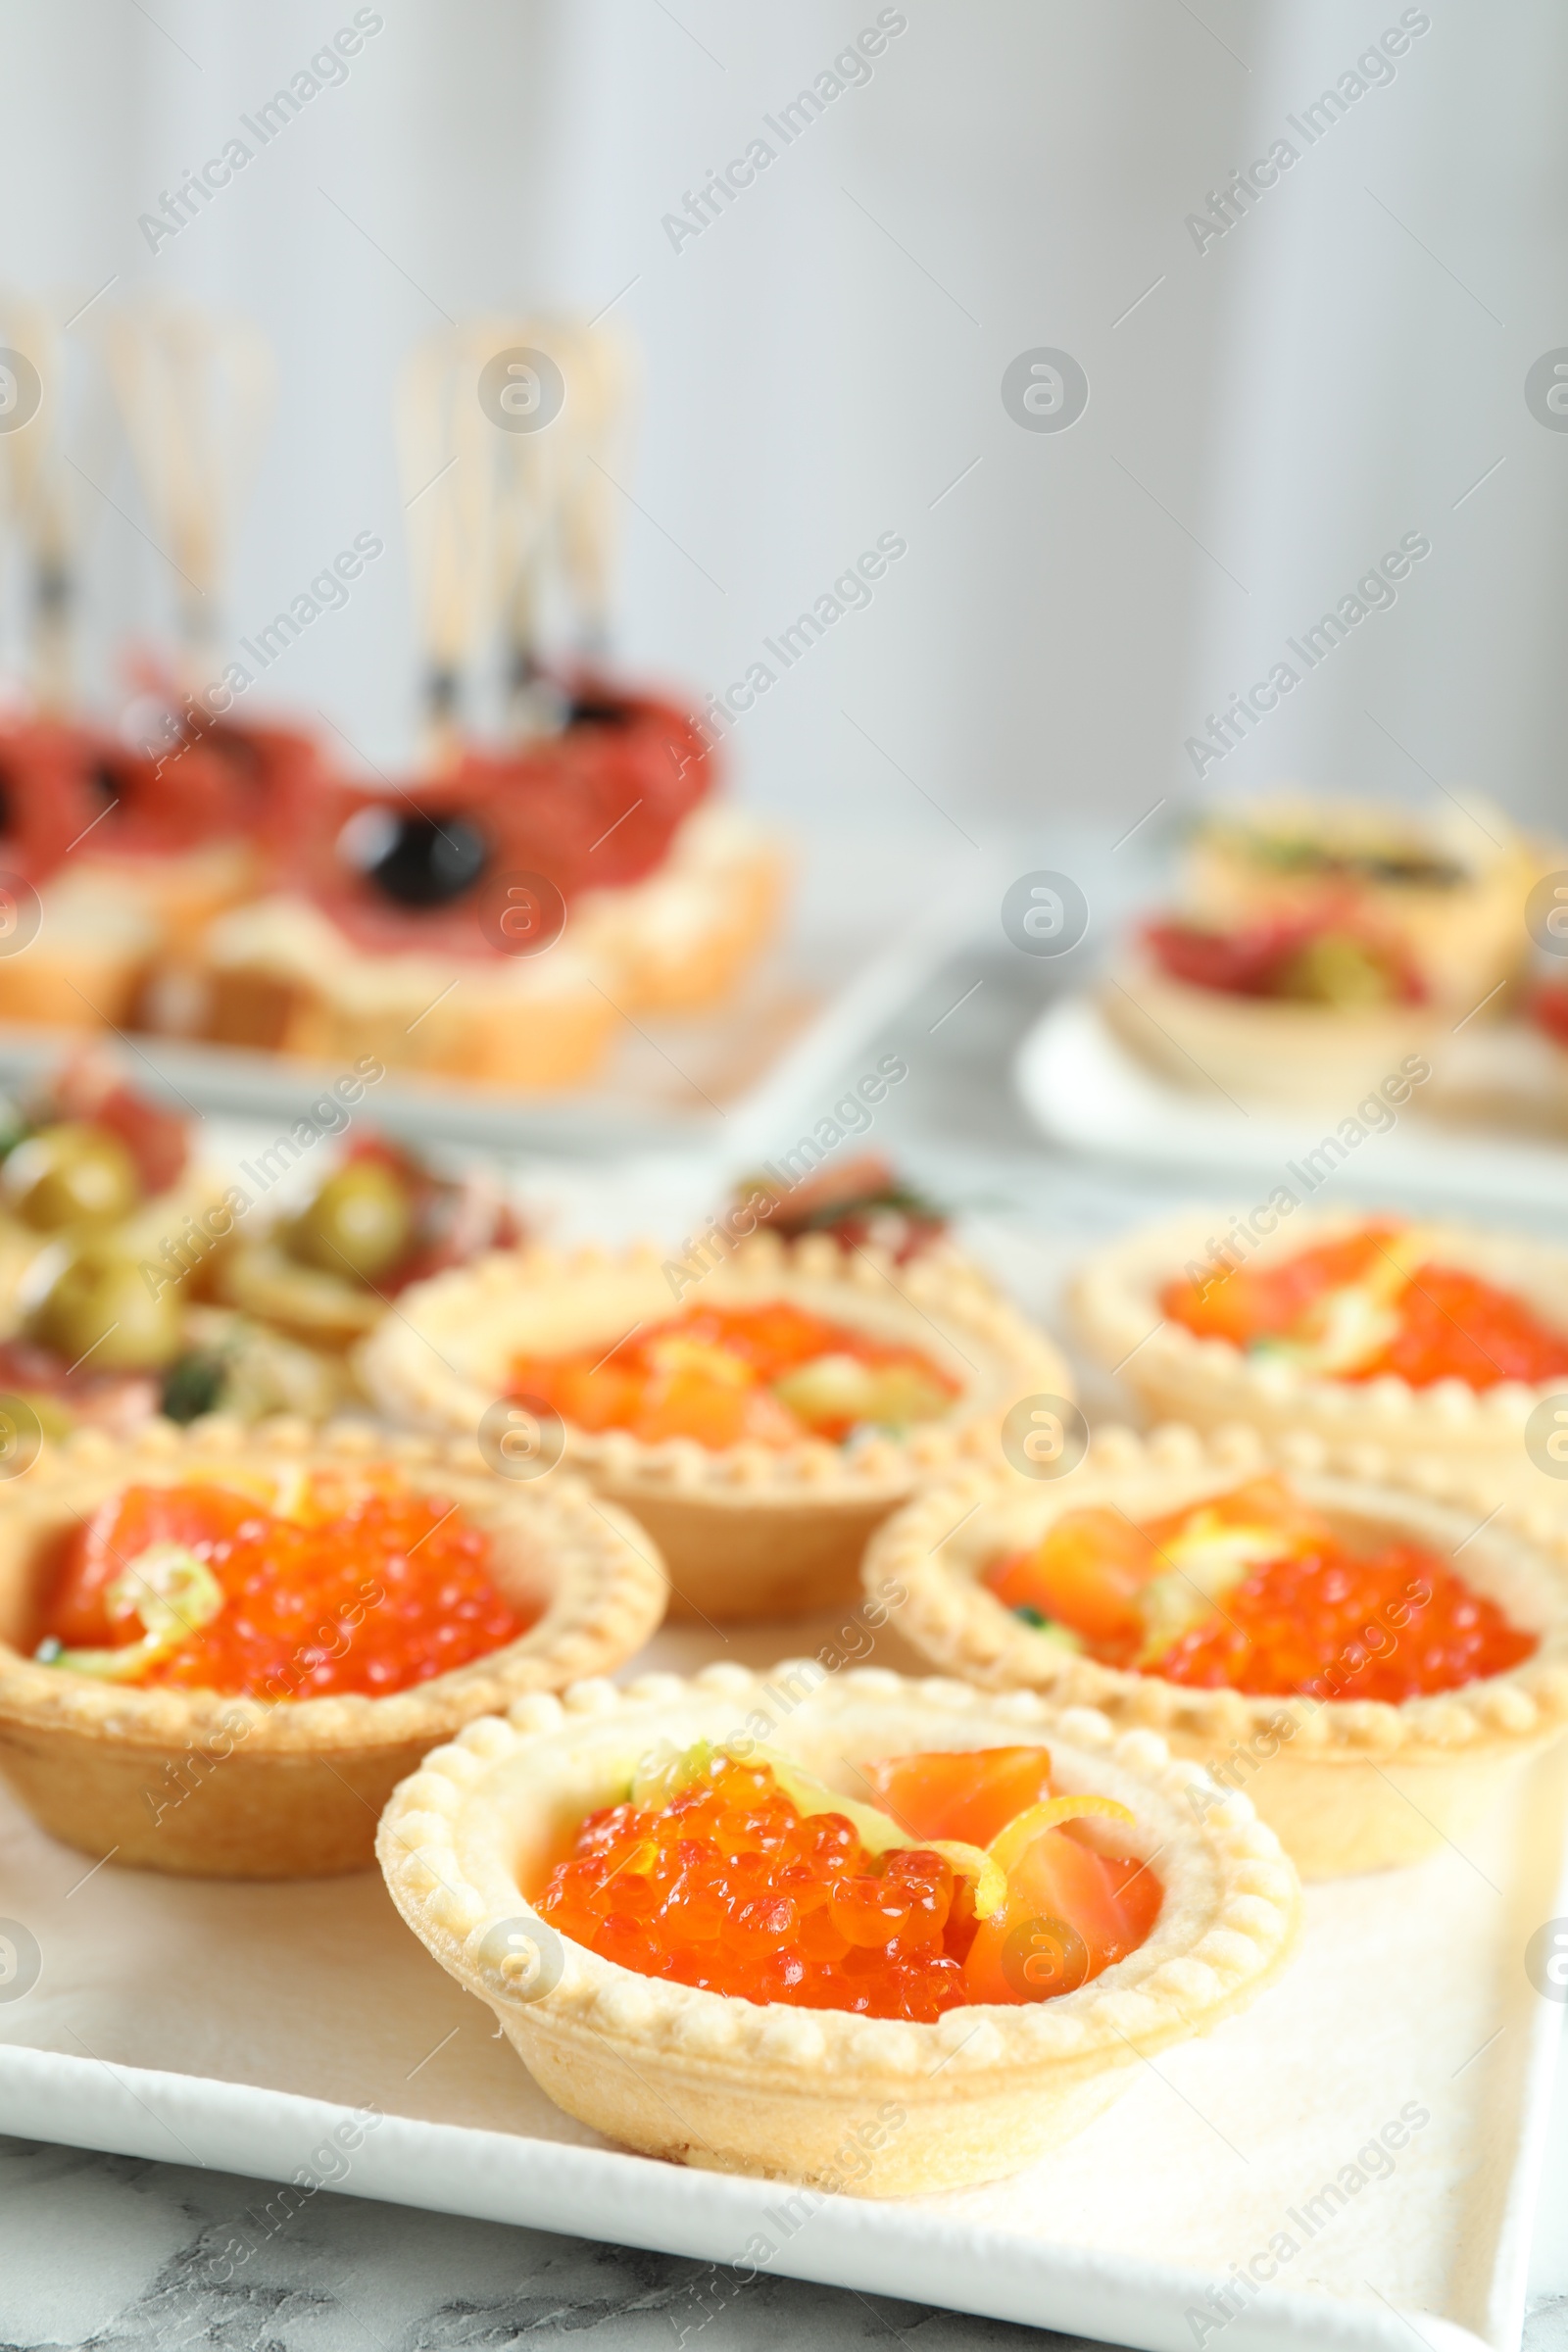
(1451, 1324)
(361, 1585)
(1393, 1627)
(730, 1887)
(1299, 1608)
(727, 1375)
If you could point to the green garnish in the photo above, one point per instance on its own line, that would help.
(170, 1590)
(193, 1386)
(1052, 1629)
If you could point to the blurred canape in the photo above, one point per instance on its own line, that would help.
(1314, 946)
(1296, 1012)
(139, 851)
(380, 1220)
(862, 1203)
(427, 926)
(1446, 891)
(96, 1186)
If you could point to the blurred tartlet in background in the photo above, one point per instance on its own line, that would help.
(860, 1202)
(1444, 891)
(1315, 945)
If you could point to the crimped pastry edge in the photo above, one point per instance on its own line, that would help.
(406, 1365)
(965, 1629)
(1228, 1923)
(610, 1592)
(1116, 1303)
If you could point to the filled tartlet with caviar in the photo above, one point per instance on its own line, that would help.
(381, 1220)
(220, 1650)
(759, 1418)
(874, 1934)
(1424, 1338)
(489, 923)
(1446, 891)
(1368, 1662)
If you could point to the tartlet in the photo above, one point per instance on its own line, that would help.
(748, 1531)
(768, 2088)
(1262, 1047)
(1447, 885)
(1177, 1376)
(204, 1785)
(1350, 1785)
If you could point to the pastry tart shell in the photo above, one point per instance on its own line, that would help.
(749, 1532)
(1262, 1049)
(1350, 1785)
(198, 1784)
(868, 2106)
(1465, 940)
(1210, 1382)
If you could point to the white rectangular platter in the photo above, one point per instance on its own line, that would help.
(869, 922)
(237, 2027)
(1491, 1124)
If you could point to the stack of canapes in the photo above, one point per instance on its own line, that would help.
(1320, 946)
(131, 854)
(233, 888)
(494, 920)
(759, 1417)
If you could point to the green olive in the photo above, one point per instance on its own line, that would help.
(101, 1308)
(360, 1224)
(69, 1175)
(1335, 968)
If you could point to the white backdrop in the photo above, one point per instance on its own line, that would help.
(824, 361)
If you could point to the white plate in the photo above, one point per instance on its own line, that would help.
(237, 2027)
(867, 923)
(1084, 1088)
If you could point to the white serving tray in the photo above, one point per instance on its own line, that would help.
(1487, 1126)
(235, 2026)
(868, 922)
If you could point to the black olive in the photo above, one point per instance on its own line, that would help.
(423, 864)
(594, 711)
(103, 778)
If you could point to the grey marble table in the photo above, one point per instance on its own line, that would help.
(119, 2252)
